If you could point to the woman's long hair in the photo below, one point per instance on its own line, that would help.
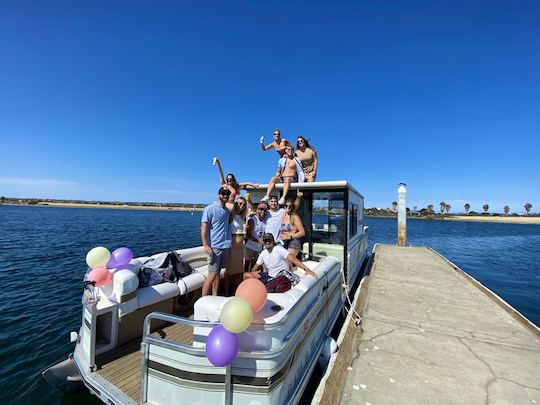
(244, 212)
(234, 182)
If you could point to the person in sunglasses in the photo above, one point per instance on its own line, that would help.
(235, 264)
(276, 260)
(256, 227)
(278, 143)
(289, 171)
(230, 182)
(292, 229)
(308, 158)
(216, 239)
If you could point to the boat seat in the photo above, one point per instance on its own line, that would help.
(155, 293)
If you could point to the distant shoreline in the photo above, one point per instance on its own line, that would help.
(107, 206)
(472, 218)
(502, 220)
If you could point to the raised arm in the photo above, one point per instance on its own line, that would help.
(221, 176)
(298, 199)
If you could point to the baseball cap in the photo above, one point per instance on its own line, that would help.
(224, 191)
(268, 236)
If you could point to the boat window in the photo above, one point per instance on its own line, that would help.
(328, 218)
(353, 220)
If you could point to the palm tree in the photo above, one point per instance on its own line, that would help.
(467, 208)
(486, 208)
(447, 208)
(506, 209)
(430, 208)
(442, 205)
(528, 207)
(394, 206)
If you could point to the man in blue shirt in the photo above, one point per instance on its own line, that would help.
(216, 239)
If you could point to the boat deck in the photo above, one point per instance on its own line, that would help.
(122, 367)
(432, 334)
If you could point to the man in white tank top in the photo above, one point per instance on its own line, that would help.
(256, 227)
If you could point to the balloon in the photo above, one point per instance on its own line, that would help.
(98, 257)
(254, 292)
(111, 264)
(221, 346)
(122, 256)
(100, 275)
(236, 315)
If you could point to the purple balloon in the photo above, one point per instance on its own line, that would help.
(122, 256)
(221, 346)
(111, 264)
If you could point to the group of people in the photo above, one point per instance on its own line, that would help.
(259, 240)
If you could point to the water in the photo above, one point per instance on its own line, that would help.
(42, 252)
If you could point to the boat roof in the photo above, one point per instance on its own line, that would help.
(337, 184)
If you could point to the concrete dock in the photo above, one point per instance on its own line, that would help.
(430, 334)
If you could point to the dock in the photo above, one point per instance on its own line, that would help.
(430, 333)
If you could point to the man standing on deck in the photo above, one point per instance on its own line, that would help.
(216, 239)
(278, 144)
(274, 215)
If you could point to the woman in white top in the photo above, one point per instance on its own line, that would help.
(235, 264)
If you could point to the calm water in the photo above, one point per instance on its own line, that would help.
(42, 252)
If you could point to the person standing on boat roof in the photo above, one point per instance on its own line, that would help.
(216, 239)
(276, 259)
(278, 144)
(289, 171)
(230, 182)
(308, 158)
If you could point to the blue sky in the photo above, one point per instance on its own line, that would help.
(131, 100)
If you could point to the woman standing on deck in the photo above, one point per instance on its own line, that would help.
(231, 183)
(235, 265)
(292, 229)
(308, 158)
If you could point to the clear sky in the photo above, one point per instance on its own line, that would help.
(131, 100)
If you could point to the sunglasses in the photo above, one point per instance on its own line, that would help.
(288, 206)
(261, 209)
(229, 180)
(241, 204)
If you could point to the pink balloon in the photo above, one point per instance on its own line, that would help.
(100, 275)
(254, 292)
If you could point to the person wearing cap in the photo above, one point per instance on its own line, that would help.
(256, 227)
(278, 144)
(216, 239)
(276, 259)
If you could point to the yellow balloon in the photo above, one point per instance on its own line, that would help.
(236, 315)
(98, 257)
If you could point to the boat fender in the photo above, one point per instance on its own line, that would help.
(329, 347)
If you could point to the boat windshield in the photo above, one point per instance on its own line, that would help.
(328, 218)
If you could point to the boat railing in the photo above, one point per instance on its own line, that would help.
(148, 340)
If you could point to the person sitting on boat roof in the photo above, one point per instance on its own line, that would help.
(278, 143)
(308, 158)
(230, 182)
(276, 259)
(289, 171)
(216, 239)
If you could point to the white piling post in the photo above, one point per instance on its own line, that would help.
(402, 214)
